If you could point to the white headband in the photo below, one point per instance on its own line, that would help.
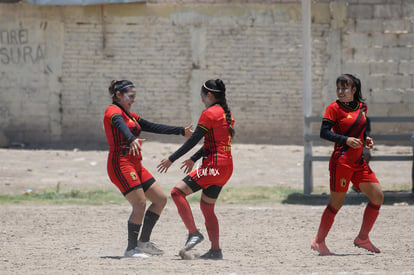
(209, 89)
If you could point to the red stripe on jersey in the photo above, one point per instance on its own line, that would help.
(117, 169)
(332, 168)
(348, 122)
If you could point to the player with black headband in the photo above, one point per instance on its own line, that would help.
(344, 123)
(216, 126)
(122, 129)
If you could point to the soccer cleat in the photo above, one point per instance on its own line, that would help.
(366, 244)
(149, 248)
(135, 253)
(321, 248)
(212, 254)
(193, 239)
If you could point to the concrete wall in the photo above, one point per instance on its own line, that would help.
(57, 62)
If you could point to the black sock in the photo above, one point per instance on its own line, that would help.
(149, 221)
(133, 231)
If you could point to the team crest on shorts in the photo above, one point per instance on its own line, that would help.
(133, 175)
(342, 182)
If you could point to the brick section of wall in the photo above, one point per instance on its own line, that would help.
(378, 45)
(253, 62)
(169, 49)
(155, 58)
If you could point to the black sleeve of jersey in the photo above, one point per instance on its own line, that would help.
(197, 155)
(368, 129)
(327, 134)
(149, 126)
(190, 143)
(119, 123)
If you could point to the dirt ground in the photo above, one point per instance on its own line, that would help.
(271, 238)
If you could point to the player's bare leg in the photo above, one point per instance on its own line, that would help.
(137, 200)
(158, 201)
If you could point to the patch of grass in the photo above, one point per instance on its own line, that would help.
(86, 197)
(231, 195)
(256, 194)
(250, 195)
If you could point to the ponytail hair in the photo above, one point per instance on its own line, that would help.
(121, 86)
(218, 89)
(351, 81)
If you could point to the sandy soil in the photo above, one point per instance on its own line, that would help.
(268, 238)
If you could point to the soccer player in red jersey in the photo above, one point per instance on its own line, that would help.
(344, 123)
(122, 129)
(216, 126)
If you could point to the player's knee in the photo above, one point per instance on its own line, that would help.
(136, 198)
(139, 204)
(176, 193)
(378, 198)
(207, 208)
(336, 205)
(162, 200)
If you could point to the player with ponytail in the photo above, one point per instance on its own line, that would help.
(216, 125)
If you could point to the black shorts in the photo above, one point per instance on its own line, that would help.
(145, 186)
(212, 191)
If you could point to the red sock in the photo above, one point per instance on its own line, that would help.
(327, 220)
(370, 216)
(211, 222)
(184, 209)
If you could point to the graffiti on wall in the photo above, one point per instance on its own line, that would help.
(16, 48)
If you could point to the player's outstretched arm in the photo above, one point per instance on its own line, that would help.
(188, 165)
(164, 165)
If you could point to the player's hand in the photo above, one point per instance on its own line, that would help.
(188, 165)
(135, 147)
(369, 143)
(164, 165)
(354, 142)
(187, 131)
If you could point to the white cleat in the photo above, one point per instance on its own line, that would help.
(135, 253)
(149, 248)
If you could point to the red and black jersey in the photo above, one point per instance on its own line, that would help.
(349, 122)
(121, 128)
(212, 125)
(116, 140)
(217, 140)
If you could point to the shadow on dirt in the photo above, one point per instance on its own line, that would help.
(353, 198)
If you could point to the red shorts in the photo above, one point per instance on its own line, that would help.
(342, 172)
(208, 175)
(127, 173)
